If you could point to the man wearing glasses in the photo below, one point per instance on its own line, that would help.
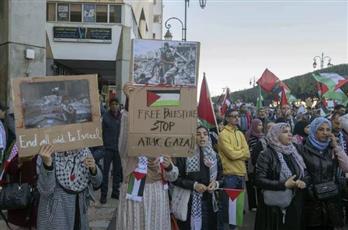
(233, 151)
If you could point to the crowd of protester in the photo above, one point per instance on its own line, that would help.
(297, 155)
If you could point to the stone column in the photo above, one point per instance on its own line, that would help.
(123, 62)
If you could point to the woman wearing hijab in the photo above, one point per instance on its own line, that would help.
(201, 174)
(323, 156)
(63, 183)
(301, 131)
(278, 168)
(253, 136)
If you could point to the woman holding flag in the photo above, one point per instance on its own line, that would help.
(280, 168)
(202, 175)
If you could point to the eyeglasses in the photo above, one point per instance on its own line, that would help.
(233, 116)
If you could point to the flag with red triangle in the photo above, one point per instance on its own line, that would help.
(235, 206)
(160, 98)
(205, 109)
(340, 84)
(331, 80)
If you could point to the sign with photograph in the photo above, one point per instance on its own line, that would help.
(162, 120)
(59, 110)
(157, 62)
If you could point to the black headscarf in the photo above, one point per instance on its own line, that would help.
(299, 128)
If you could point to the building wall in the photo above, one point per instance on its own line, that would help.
(150, 8)
(24, 28)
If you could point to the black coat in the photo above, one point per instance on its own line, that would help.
(321, 168)
(267, 172)
(187, 180)
(111, 130)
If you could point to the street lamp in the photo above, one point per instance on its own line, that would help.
(321, 59)
(168, 35)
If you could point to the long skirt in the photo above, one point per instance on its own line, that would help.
(152, 213)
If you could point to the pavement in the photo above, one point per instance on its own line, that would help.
(101, 215)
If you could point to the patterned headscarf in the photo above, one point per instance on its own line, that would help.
(273, 140)
(253, 129)
(313, 128)
(71, 172)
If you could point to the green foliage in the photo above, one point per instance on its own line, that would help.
(301, 87)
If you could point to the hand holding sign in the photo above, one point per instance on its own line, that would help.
(128, 87)
(90, 164)
(46, 152)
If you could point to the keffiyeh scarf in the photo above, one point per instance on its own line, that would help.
(193, 165)
(71, 172)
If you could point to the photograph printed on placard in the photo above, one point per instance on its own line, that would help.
(46, 104)
(165, 62)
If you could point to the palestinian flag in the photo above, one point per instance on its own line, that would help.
(160, 98)
(136, 183)
(205, 110)
(332, 81)
(136, 186)
(235, 206)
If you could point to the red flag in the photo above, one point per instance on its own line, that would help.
(226, 103)
(233, 193)
(340, 84)
(283, 100)
(205, 107)
(268, 80)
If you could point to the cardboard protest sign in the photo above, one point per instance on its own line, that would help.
(157, 62)
(59, 110)
(162, 121)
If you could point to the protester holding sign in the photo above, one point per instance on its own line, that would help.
(201, 174)
(63, 182)
(144, 201)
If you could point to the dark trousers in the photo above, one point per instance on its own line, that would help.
(208, 217)
(251, 191)
(111, 156)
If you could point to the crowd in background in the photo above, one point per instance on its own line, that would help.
(291, 161)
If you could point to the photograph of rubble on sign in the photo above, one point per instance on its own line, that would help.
(165, 62)
(47, 104)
